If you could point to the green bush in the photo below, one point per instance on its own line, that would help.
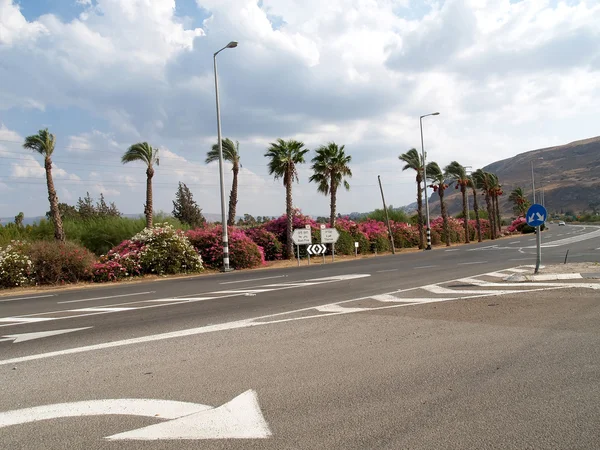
(60, 262)
(167, 251)
(98, 234)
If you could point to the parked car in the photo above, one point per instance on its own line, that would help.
(561, 224)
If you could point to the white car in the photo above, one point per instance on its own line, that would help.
(561, 224)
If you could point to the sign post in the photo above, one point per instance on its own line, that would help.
(330, 236)
(302, 236)
(536, 216)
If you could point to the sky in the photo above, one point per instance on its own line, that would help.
(506, 77)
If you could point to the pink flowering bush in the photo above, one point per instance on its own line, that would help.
(405, 235)
(517, 224)
(243, 252)
(158, 250)
(279, 226)
(268, 241)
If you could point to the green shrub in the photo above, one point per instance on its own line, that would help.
(60, 262)
(166, 251)
(16, 269)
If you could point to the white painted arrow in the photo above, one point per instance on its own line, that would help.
(241, 418)
(37, 335)
(531, 218)
(540, 217)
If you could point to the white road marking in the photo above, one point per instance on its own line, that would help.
(156, 303)
(26, 298)
(517, 270)
(514, 242)
(256, 321)
(103, 298)
(435, 289)
(556, 276)
(453, 250)
(496, 274)
(103, 309)
(23, 337)
(241, 418)
(337, 308)
(254, 279)
(244, 291)
(183, 300)
(471, 263)
(388, 270)
(424, 267)
(23, 319)
(386, 298)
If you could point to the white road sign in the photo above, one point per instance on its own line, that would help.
(302, 236)
(329, 236)
(241, 418)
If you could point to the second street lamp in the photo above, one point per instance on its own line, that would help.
(232, 44)
(428, 231)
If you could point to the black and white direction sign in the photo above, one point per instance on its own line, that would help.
(329, 236)
(241, 418)
(317, 249)
(302, 236)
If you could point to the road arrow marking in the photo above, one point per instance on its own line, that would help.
(241, 418)
(16, 338)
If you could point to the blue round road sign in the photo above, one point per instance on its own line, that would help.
(536, 215)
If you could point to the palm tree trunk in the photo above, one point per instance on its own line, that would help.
(289, 213)
(444, 216)
(420, 211)
(148, 206)
(498, 218)
(490, 210)
(233, 197)
(476, 209)
(463, 191)
(59, 233)
(333, 203)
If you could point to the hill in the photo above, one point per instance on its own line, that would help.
(568, 175)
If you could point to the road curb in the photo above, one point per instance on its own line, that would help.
(521, 278)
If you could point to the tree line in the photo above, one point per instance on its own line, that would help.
(330, 172)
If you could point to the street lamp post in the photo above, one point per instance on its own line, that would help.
(428, 231)
(232, 44)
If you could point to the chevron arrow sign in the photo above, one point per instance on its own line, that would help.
(316, 249)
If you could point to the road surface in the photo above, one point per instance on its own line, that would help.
(417, 350)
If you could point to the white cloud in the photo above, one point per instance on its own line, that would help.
(506, 76)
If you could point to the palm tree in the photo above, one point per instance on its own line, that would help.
(330, 166)
(414, 161)
(43, 143)
(142, 151)
(231, 153)
(438, 183)
(496, 192)
(284, 156)
(483, 182)
(476, 208)
(520, 201)
(458, 174)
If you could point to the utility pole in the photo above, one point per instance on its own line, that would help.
(387, 219)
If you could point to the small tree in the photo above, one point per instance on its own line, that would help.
(185, 208)
(19, 219)
(85, 207)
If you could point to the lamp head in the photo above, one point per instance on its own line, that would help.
(232, 44)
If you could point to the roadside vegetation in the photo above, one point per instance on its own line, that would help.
(91, 240)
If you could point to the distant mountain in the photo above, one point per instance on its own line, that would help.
(569, 176)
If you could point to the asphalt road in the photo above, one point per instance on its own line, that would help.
(416, 350)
